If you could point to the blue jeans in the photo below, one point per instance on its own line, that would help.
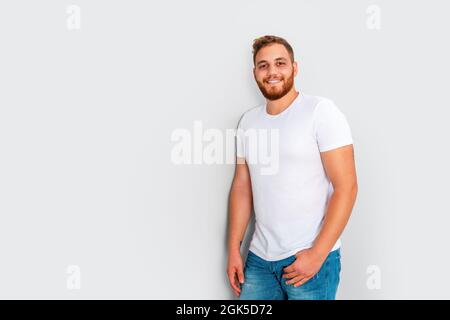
(263, 280)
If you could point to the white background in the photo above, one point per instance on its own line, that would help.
(86, 117)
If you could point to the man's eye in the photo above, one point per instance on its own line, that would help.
(281, 63)
(262, 66)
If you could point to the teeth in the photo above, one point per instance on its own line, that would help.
(273, 81)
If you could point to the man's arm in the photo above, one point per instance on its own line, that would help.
(340, 168)
(339, 165)
(241, 205)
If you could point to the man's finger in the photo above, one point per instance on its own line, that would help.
(241, 276)
(289, 268)
(298, 284)
(233, 281)
(295, 279)
(237, 285)
(291, 274)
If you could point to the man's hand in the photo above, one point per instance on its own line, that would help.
(307, 263)
(235, 271)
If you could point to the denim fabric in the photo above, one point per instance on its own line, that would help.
(263, 280)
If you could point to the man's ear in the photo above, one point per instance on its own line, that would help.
(295, 65)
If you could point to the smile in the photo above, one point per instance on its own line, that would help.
(273, 81)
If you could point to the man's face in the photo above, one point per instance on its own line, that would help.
(274, 72)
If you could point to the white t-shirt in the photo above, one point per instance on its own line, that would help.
(290, 187)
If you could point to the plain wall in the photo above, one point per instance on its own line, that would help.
(86, 118)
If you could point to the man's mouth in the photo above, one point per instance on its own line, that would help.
(274, 81)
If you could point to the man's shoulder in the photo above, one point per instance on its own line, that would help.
(320, 105)
(315, 100)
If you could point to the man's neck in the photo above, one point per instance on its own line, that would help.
(276, 106)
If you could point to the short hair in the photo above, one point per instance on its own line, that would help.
(267, 40)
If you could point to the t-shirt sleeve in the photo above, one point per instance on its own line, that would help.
(240, 139)
(331, 127)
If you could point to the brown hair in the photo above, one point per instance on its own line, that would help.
(266, 40)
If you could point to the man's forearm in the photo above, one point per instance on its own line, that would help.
(240, 213)
(338, 213)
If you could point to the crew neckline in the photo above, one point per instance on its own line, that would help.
(293, 103)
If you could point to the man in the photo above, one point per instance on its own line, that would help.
(302, 205)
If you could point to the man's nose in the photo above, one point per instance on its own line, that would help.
(272, 72)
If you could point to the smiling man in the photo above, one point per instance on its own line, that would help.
(303, 207)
